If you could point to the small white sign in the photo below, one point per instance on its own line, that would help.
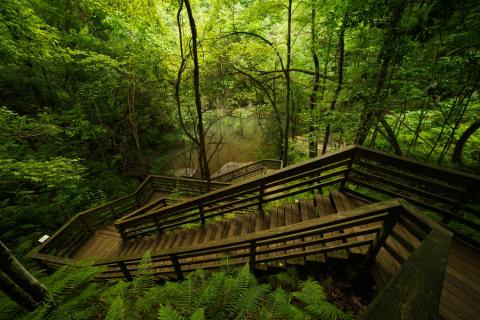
(43, 238)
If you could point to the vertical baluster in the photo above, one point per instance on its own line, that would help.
(260, 198)
(202, 214)
(176, 266)
(125, 271)
(253, 253)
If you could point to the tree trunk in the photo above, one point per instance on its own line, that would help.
(457, 152)
(313, 145)
(338, 89)
(391, 137)
(287, 84)
(203, 159)
(15, 293)
(14, 269)
(375, 112)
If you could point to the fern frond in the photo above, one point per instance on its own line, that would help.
(313, 296)
(311, 292)
(328, 311)
(198, 314)
(167, 313)
(249, 301)
(116, 310)
(144, 277)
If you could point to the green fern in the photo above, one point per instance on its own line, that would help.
(144, 278)
(249, 302)
(69, 288)
(116, 310)
(313, 297)
(167, 313)
(198, 314)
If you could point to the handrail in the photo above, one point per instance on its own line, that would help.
(250, 170)
(453, 195)
(372, 225)
(310, 175)
(364, 172)
(78, 228)
(253, 245)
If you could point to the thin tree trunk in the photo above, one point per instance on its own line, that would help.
(313, 144)
(15, 293)
(15, 270)
(134, 126)
(338, 89)
(288, 84)
(391, 137)
(373, 113)
(458, 151)
(205, 171)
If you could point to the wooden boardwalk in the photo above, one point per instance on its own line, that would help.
(283, 219)
(107, 243)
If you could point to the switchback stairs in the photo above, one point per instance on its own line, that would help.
(354, 203)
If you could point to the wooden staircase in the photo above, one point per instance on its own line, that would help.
(107, 242)
(333, 208)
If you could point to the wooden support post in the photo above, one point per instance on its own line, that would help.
(202, 215)
(113, 212)
(253, 253)
(121, 230)
(176, 266)
(157, 224)
(349, 166)
(260, 198)
(125, 271)
(388, 225)
(137, 202)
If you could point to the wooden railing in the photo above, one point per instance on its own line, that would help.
(79, 227)
(250, 170)
(370, 227)
(304, 178)
(362, 172)
(421, 273)
(452, 195)
(181, 188)
(298, 240)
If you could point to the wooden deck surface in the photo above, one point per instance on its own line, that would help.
(107, 243)
(461, 288)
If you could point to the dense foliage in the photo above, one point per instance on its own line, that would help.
(96, 94)
(229, 294)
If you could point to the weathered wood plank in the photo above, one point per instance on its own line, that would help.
(414, 292)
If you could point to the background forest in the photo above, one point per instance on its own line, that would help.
(96, 94)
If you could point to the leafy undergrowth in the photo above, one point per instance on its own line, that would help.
(225, 294)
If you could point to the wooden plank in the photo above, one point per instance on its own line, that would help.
(296, 217)
(289, 221)
(273, 225)
(331, 208)
(343, 204)
(414, 292)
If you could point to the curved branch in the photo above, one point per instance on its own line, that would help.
(257, 36)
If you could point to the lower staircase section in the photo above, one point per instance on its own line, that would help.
(106, 242)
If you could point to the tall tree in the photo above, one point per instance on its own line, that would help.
(338, 89)
(313, 144)
(288, 84)
(202, 148)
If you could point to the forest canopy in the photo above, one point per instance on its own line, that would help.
(96, 94)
